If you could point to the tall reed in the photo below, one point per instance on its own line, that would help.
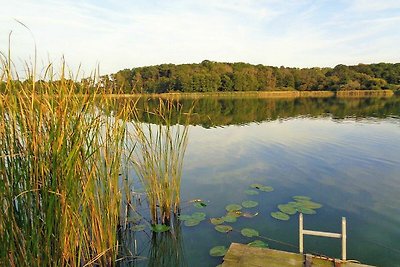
(60, 160)
(159, 157)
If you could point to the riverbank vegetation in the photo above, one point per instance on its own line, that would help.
(216, 77)
(211, 76)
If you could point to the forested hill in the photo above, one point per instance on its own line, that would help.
(211, 76)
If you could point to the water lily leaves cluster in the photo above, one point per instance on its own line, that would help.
(233, 207)
(192, 220)
(301, 204)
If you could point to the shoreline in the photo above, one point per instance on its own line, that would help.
(268, 94)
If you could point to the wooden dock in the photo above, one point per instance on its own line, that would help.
(240, 255)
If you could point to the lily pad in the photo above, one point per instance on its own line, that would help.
(191, 222)
(138, 227)
(235, 213)
(217, 221)
(309, 204)
(265, 188)
(159, 228)
(233, 207)
(280, 216)
(229, 218)
(223, 228)
(258, 244)
(297, 198)
(306, 210)
(135, 218)
(249, 232)
(256, 186)
(249, 204)
(199, 216)
(218, 251)
(199, 205)
(251, 192)
(288, 209)
(184, 217)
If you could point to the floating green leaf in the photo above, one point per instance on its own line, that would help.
(191, 222)
(216, 221)
(280, 216)
(135, 218)
(265, 188)
(309, 204)
(297, 198)
(235, 213)
(249, 232)
(223, 228)
(306, 210)
(233, 207)
(184, 217)
(288, 209)
(199, 216)
(200, 205)
(251, 192)
(229, 218)
(249, 204)
(159, 228)
(258, 244)
(218, 251)
(256, 186)
(138, 227)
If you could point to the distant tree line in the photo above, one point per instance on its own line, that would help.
(211, 76)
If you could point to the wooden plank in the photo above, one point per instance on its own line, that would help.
(301, 233)
(240, 255)
(344, 237)
(323, 234)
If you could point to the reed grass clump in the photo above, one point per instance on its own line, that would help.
(60, 161)
(159, 157)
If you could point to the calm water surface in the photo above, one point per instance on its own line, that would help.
(345, 154)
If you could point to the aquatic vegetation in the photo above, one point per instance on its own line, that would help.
(233, 207)
(223, 228)
(258, 244)
(251, 192)
(217, 221)
(138, 227)
(199, 204)
(229, 218)
(60, 166)
(298, 198)
(249, 215)
(249, 232)
(287, 208)
(218, 251)
(280, 216)
(159, 157)
(199, 216)
(249, 204)
(263, 188)
(159, 228)
(191, 222)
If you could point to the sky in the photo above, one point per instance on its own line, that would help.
(125, 34)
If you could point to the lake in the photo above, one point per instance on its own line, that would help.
(343, 153)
